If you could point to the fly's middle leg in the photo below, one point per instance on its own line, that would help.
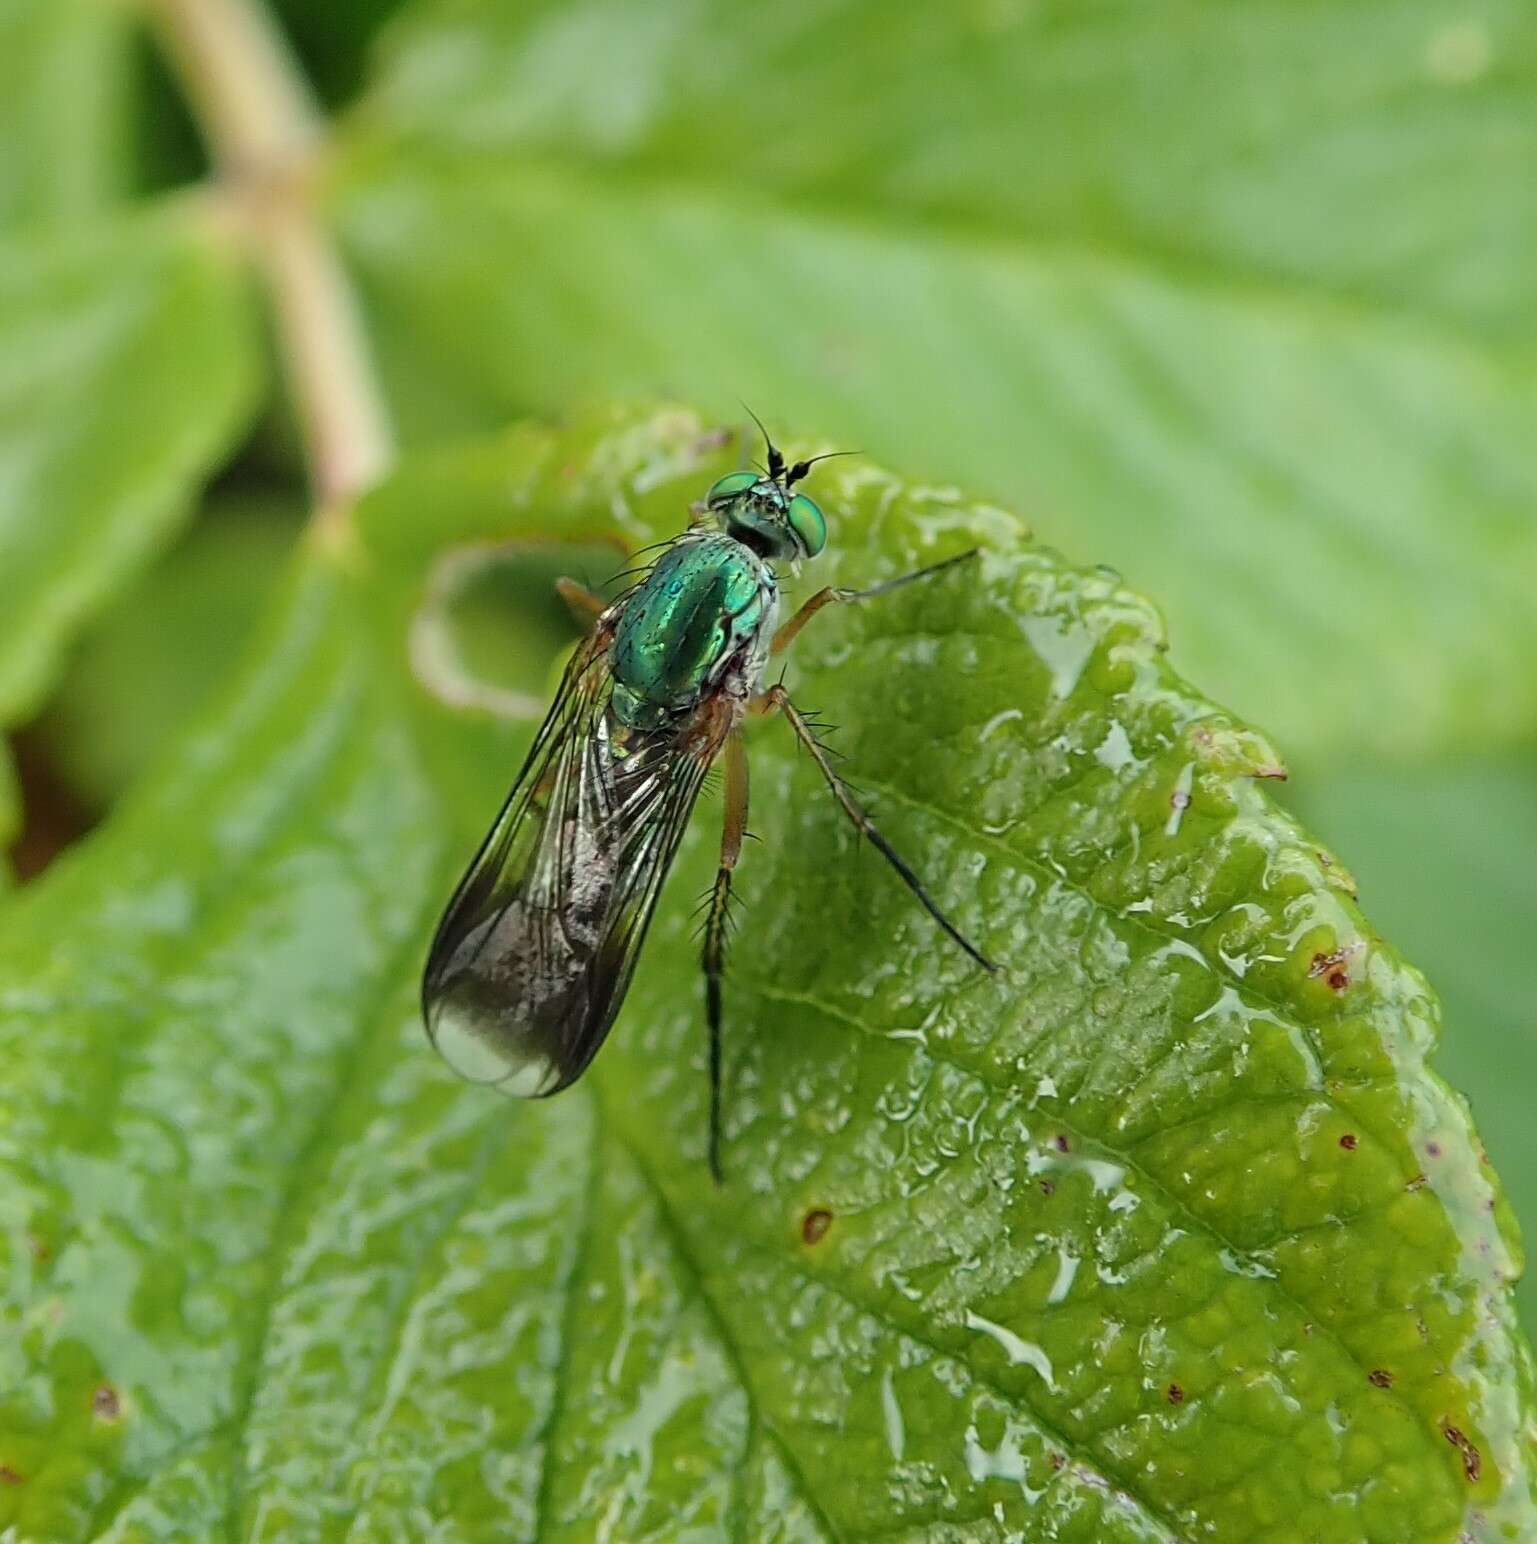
(717, 919)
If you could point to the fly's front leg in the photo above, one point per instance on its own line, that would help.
(777, 700)
(830, 596)
(585, 605)
(732, 833)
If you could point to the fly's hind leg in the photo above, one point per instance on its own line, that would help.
(585, 605)
(777, 700)
(717, 921)
(830, 596)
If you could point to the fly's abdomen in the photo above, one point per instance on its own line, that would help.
(510, 985)
(535, 951)
(694, 608)
(508, 1012)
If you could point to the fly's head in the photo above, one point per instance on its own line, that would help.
(762, 510)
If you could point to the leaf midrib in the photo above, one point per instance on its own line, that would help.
(572, 1288)
(678, 1245)
(1012, 1397)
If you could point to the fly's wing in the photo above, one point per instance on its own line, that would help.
(533, 956)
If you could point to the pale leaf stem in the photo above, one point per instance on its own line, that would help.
(266, 136)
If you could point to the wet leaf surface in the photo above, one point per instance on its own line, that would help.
(1169, 1233)
(1442, 857)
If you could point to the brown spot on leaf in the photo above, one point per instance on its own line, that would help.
(1179, 799)
(1272, 773)
(8, 1476)
(1419, 1182)
(1380, 1377)
(1472, 1459)
(1349, 1141)
(814, 1227)
(105, 1404)
(1056, 1461)
(1060, 1143)
(1176, 1394)
(1433, 1148)
(1332, 968)
(1048, 1187)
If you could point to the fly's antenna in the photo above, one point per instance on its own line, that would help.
(776, 462)
(778, 471)
(801, 468)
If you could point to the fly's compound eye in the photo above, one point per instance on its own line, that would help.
(729, 487)
(808, 523)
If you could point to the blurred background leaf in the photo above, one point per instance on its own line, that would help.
(1249, 140)
(128, 365)
(333, 40)
(65, 100)
(144, 325)
(144, 669)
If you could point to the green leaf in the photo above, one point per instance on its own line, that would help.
(64, 68)
(1079, 1253)
(165, 1087)
(146, 667)
(10, 810)
(1066, 122)
(1443, 856)
(1245, 352)
(129, 364)
(333, 41)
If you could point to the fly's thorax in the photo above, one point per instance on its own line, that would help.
(705, 609)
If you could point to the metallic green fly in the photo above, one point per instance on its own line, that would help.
(534, 954)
